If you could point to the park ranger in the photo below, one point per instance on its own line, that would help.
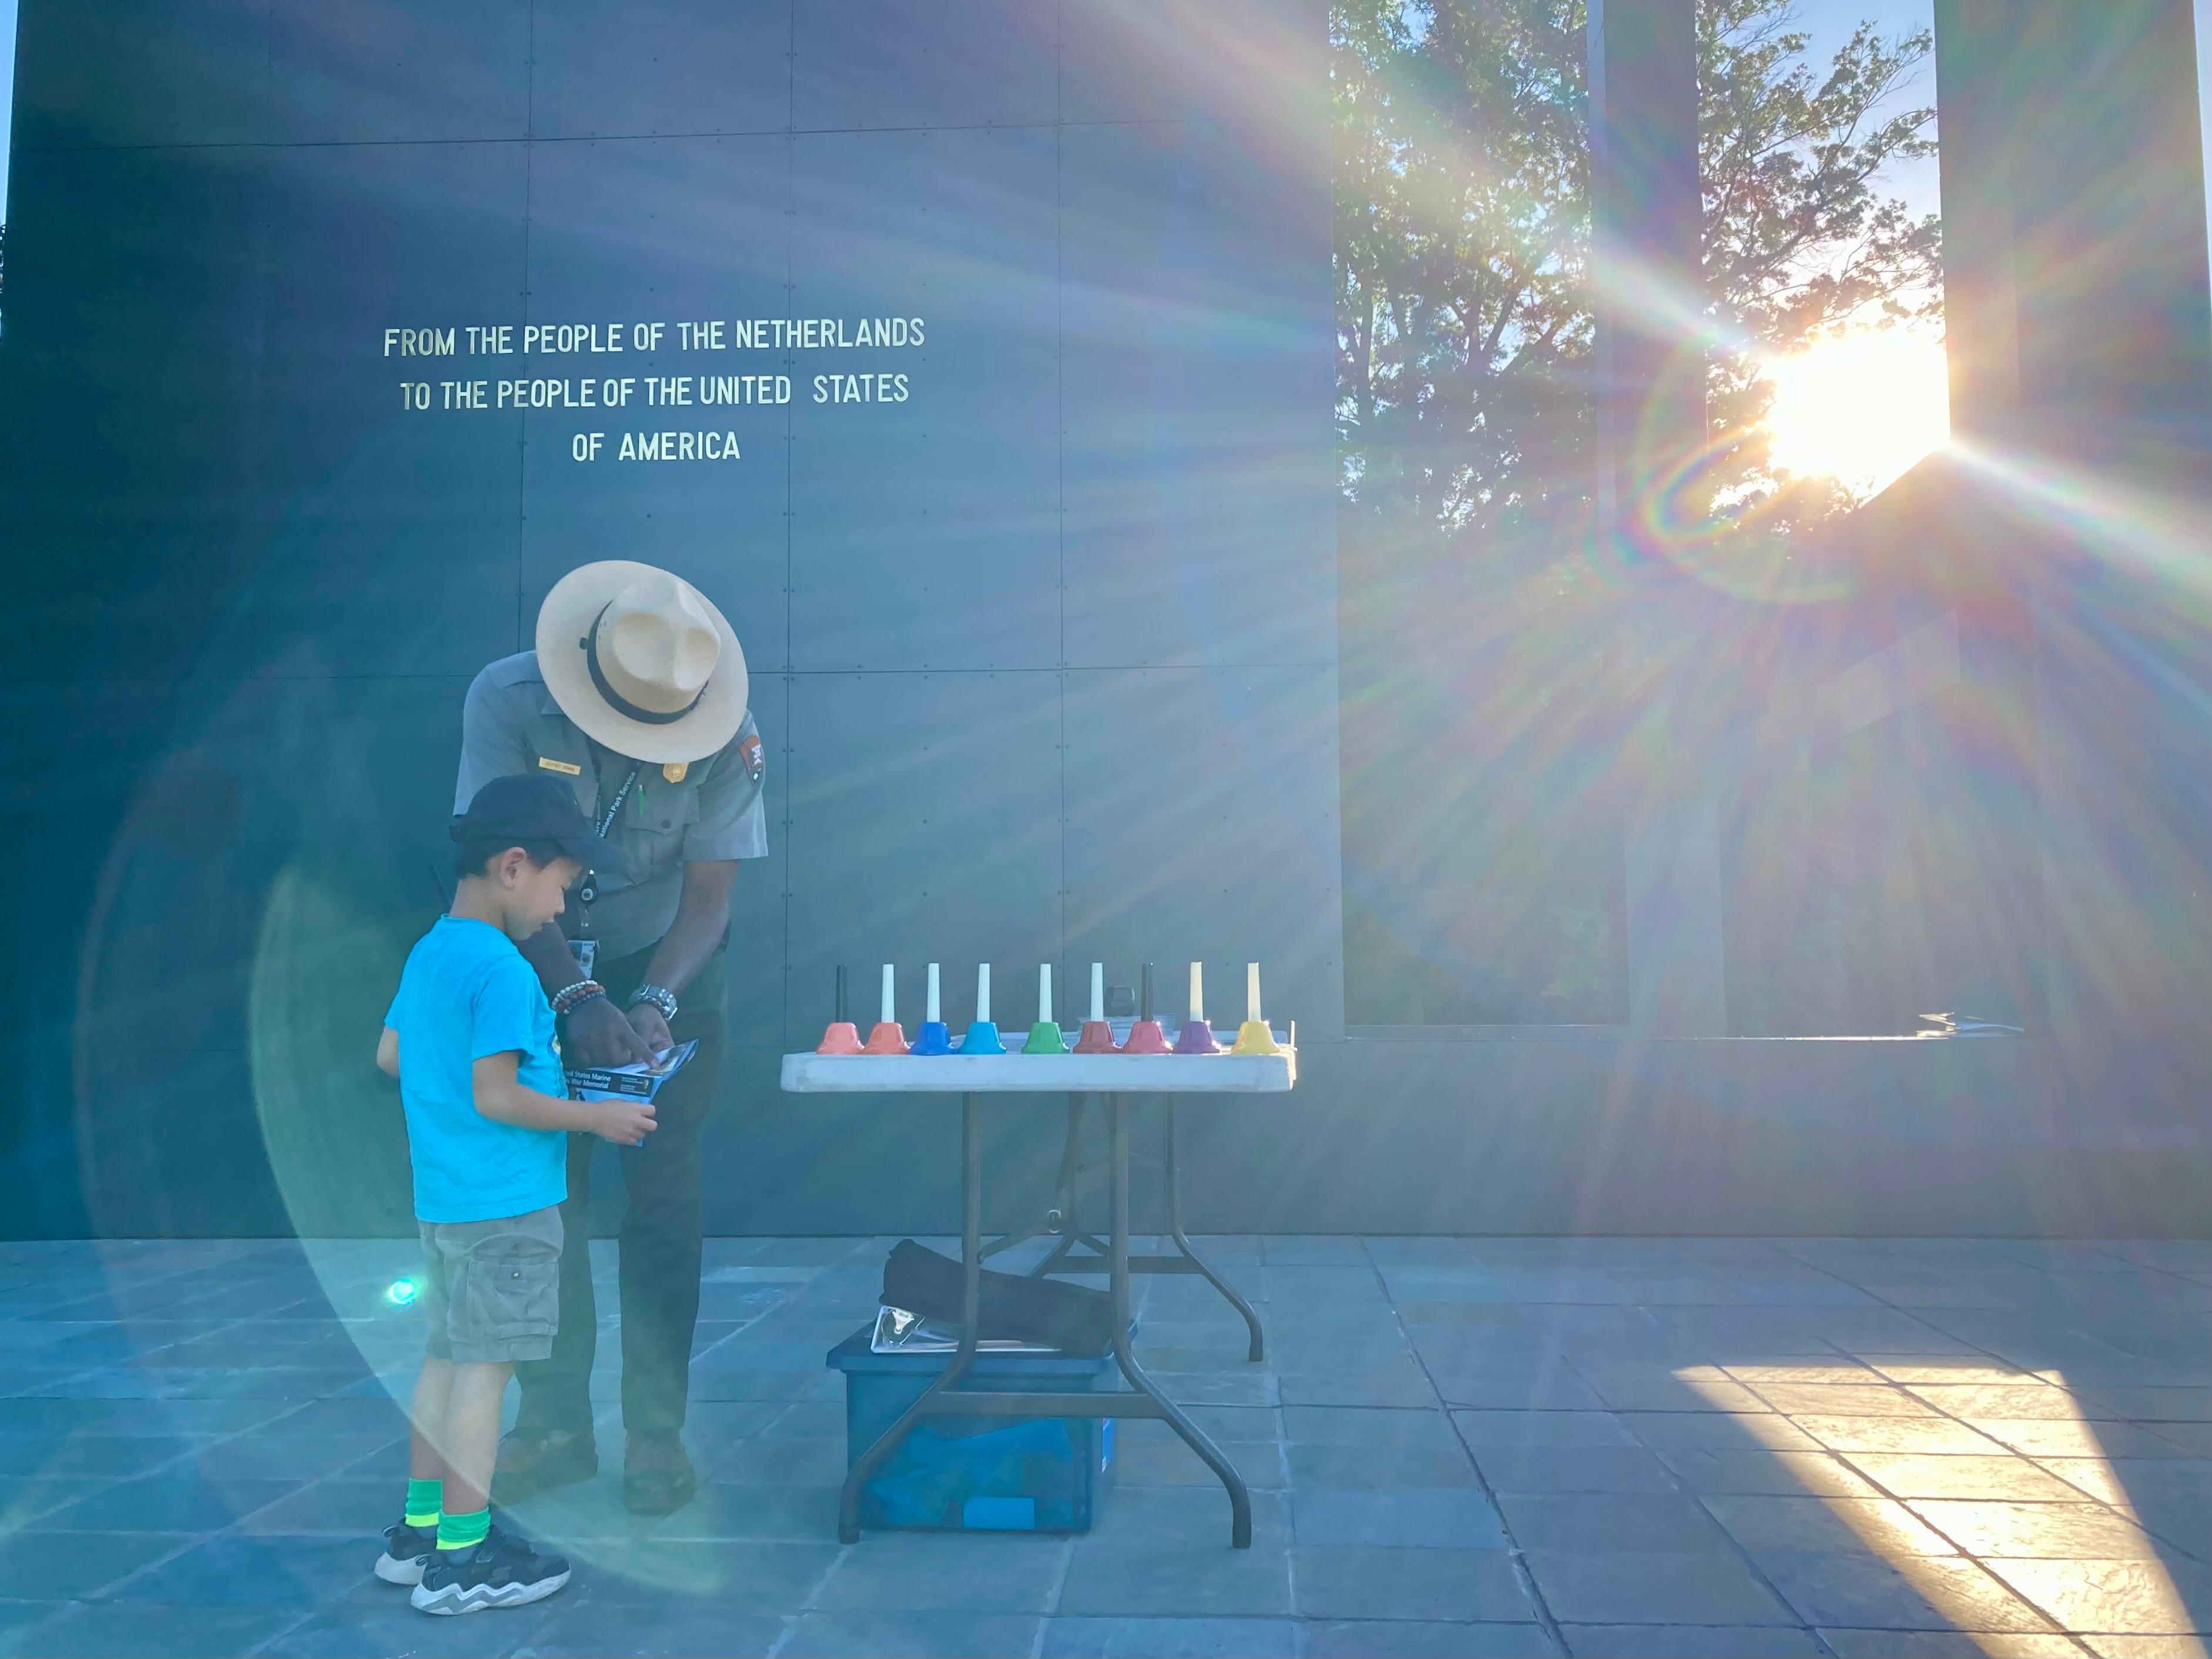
(635, 698)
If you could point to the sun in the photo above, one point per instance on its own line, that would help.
(1861, 408)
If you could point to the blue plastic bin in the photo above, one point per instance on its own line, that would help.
(979, 1473)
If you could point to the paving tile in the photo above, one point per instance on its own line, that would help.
(2039, 1401)
(1914, 1475)
(764, 1462)
(1287, 1250)
(1248, 1424)
(133, 1631)
(592, 1510)
(1960, 1370)
(992, 1573)
(1380, 1468)
(1948, 1645)
(2043, 1437)
(2132, 1440)
(1370, 1582)
(342, 1505)
(812, 1382)
(1429, 1285)
(572, 1629)
(1406, 1638)
(768, 1578)
(1926, 1592)
(1622, 1587)
(115, 1457)
(1170, 1463)
(48, 1564)
(802, 1420)
(1689, 1641)
(1934, 1436)
(1573, 1469)
(1717, 1430)
(793, 1514)
(1610, 1522)
(302, 1572)
(1348, 1426)
(49, 1415)
(924, 1636)
(1258, 1387)
(1670, 1388)
(2152, 1405)
(385, 1623)
(1403, 1385)
(2122, 1481)
(282, 1456)
(1487, 1388)
(1126, 1578)
(171, 1502)
(1192, 1519)
(1821, 1399)
(1777, 1473)
(23, 1501)
(2142, 1598)
(1826, 1525)
(2067, 1378)
(1511, 1428)
(1169, 1639)
(2037, 1530)
(1453, 1518)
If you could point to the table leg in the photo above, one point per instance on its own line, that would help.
(971, 1301)
(1259, 1349)
(1057, 1223)
(1240, 1499)
(1071, 1171)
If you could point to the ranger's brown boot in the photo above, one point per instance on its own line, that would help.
(657, 1476)
(531, 1462)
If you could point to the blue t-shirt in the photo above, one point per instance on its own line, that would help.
(467, 993)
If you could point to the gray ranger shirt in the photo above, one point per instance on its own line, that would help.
(511, 727)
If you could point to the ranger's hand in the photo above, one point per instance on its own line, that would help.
(651, 1028)
(598, 1035)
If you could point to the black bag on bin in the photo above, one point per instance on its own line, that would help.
(1070, 1317)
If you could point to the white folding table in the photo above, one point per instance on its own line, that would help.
(1115, 1078)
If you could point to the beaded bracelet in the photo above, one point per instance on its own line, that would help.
(581, 992)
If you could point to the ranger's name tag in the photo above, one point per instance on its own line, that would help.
(551, 765)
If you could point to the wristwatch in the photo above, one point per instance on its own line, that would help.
(659, 995)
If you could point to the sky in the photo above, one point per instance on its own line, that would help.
(1830, 22)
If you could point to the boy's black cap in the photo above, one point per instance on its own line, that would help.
(530, 811)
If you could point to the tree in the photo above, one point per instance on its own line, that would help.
(1485, 661)
(1462, 227)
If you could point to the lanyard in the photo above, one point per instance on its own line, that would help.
(607, 820)
(588, 890)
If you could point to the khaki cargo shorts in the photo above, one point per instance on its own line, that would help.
(493, 1290)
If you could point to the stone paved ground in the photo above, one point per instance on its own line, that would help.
(1476, 1446)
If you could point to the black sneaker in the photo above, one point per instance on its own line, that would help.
(407, 1550)
(502, 1572)
(530, 1463)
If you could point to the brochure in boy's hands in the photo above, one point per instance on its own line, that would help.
(637, 1081)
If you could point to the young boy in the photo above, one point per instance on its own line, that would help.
(471, 1039)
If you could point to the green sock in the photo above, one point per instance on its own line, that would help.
(424, 1500)
(464, 1532)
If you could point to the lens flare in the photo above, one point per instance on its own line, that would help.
(1862, 408)
(402, 1292)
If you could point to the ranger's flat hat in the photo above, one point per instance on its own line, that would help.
(641, 661)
